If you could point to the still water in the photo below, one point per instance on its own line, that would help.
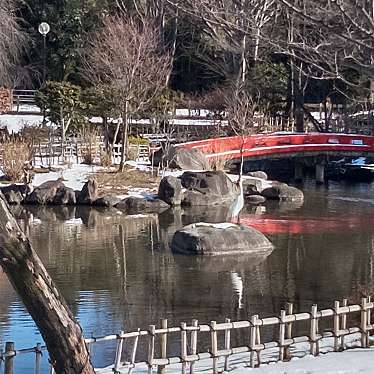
(117, 272)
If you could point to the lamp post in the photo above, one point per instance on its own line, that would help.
(44, 29)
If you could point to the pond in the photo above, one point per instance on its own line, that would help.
(117, 272)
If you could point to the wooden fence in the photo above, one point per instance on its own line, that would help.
(78, 151)
(220, 339)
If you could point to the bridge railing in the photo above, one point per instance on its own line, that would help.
(187, 342)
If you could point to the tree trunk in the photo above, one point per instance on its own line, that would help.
(61, 332)
(125, 133)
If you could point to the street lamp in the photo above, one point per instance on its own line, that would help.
(44, 29)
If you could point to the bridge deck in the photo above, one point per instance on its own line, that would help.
(284, 145)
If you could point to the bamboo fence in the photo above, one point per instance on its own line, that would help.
(220, 339)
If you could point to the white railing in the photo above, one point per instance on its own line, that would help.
(219, 336)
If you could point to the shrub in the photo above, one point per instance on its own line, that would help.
(105, 159)
(16, 155)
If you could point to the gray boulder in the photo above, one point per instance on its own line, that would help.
(186, 159)
(208, 188)
(15, 193)
(219, 239)
(258, 174)
(45, 193)
(89, 193)
(283, 192)
(170, 190)
(137, 205)
(107, 201)
(64, 196)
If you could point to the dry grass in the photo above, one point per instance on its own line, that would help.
(217, 164)
(15, 156)
(112, 182)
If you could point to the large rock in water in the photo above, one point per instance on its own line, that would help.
(89, 193)
(182, 158)
(45, 193)
(283, 192)
(170, 190)
(15, 193)
(208, 188)
(219, 239)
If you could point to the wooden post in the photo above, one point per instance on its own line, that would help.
(133, 353)
(163, 345)
(313, 330)
(289, 311)
(336, 325)
(9, 356)
(151, 347)
(227, 345)
(195, 323)
(252, 343)
(214, 344)
(368, 321)
(282, 331)
(117, 362)
(38, 356)
(184, 347)
(344, 324)
(363, 323)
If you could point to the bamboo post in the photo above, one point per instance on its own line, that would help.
(9, 356)
(184, 347)
(195, 323)
(38, 356)
(163, 345)
(227, 345)
(313, 330)
(151, 347)
(282, 331)
(133, 353)
(368, 321)
(258, 341)
(363, 322)
(344, 324)
(252, 331)
(117, 362)
(336, 325)
(214, 345)
(289, 310)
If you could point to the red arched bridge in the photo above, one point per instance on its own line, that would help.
(278, 145)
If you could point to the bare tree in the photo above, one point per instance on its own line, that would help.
(333, 39)
(241, 111)
(11, 40)
(128, 55)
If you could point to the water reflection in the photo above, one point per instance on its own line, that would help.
(117, 272)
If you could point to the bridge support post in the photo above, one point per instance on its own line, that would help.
(320, 173)
(299, 172)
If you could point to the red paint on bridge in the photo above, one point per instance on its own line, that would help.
(260, 146)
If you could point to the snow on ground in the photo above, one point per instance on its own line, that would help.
(351, 361)
(75, 176)
(15, 123)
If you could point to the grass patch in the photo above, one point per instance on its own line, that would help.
(112, 182)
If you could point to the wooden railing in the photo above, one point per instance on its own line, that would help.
(22, 97)
(221, 343)
(76, 152)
